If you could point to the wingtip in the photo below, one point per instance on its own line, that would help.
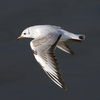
(72, 53)
(65, 88)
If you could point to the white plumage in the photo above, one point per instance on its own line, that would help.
(46, 39)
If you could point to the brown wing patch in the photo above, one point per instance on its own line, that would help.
(50, 51)
(46, 53)
(41, 40)
(34, 52)
(53, 60)
(65, 47)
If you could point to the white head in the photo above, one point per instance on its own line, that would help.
(25, 34)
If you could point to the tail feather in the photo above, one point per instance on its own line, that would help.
(78, 38)
(75, 40)
(72, 36)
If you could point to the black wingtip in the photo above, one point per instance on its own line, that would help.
(72, 53)
(63, 85)
(65, 88)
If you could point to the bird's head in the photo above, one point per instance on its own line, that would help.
(25, 34)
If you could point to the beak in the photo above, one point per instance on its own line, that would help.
(19, 37)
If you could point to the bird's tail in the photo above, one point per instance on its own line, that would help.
(72, 36)
(77, 37)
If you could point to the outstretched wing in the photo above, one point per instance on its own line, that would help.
(43, 51)
(63, 46)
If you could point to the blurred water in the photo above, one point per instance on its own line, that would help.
(21, 77)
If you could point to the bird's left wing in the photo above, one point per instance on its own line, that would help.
(43, 51)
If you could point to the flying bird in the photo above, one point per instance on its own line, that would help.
(45, 39)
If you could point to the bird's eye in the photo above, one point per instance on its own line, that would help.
(24, 33)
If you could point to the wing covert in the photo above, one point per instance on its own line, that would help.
(44, 54)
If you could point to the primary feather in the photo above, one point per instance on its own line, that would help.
(44, 48)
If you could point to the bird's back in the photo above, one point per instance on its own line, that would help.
(42, 30)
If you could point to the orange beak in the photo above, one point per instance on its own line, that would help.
(19, 37)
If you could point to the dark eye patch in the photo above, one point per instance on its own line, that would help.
(24, 33)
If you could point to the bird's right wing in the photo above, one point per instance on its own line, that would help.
(63, 46)
(43, 51)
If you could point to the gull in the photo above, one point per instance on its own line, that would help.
(45, 39)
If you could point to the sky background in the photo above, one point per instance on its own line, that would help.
(21, 77)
